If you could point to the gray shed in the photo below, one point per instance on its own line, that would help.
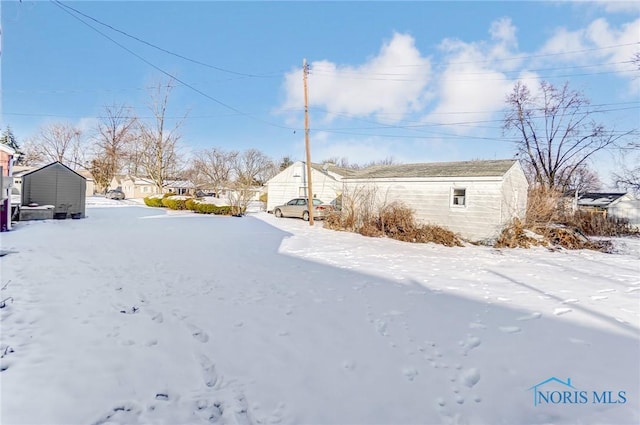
(57, 185)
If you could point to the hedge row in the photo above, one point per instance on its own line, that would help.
(189, 204)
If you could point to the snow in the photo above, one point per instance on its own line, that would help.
(138, 315)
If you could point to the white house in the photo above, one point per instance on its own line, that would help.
(326, 183)
(614, 204)
(133, 186)
(474, 199)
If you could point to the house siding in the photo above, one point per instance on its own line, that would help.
(490, 202)
(55, 185)
(292, 183)
(626, 209)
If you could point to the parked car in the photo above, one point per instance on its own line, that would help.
(202, 193)
(115, 194)
(298, 208)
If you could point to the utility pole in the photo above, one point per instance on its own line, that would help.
(305, 71)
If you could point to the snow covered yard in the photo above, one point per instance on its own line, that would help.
(137, 315)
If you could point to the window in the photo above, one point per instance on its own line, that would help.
(459, 198)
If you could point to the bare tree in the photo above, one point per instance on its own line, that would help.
(285, 162)
(31, 155)
(556, 131)
(343, 162)
(114, 135)
(217, 166)
(251, 168)
(159, 157)
(387, 161)
(583, 180)
(60, 142)
(628, 175)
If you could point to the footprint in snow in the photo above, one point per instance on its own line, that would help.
(476, 325)
(532, 316)
(410, 373)
(209, 373)
(124, 413)
(470, 343)
(561, 310)
(198, 334)
(598, 297)
(470, 377)
(510, 329)
(381, 327)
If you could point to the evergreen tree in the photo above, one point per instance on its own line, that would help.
(9, 139)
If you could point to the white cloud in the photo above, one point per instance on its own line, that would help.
(473, 85)
(393, 82)
(600, 44)
(619, 6)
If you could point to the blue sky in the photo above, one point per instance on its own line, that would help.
(418, 81)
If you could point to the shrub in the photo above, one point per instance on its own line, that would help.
(333, 220)
(598, 224)
(174, 203)
(515, 235)
(190, 204)
(203, 208)
(396, 221)
(263, 198)
(152, 201)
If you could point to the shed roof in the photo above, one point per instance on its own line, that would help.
(599, 199)
(488, 168)
(52, 165)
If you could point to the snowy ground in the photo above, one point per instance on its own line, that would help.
(137, 315)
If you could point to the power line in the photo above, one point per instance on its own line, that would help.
(184, 83)
(60, 4)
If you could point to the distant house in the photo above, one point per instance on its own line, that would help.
(472, 198)
(178, 187)
(6, 170)
(326, 182)
(56, 185)
(620, 205)
(133, 186)
(91, 183)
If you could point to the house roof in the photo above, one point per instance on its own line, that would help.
(599, 199)
(185, 184)
(344, 172)
(52, 165)
(8, 149)
(489, 168)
